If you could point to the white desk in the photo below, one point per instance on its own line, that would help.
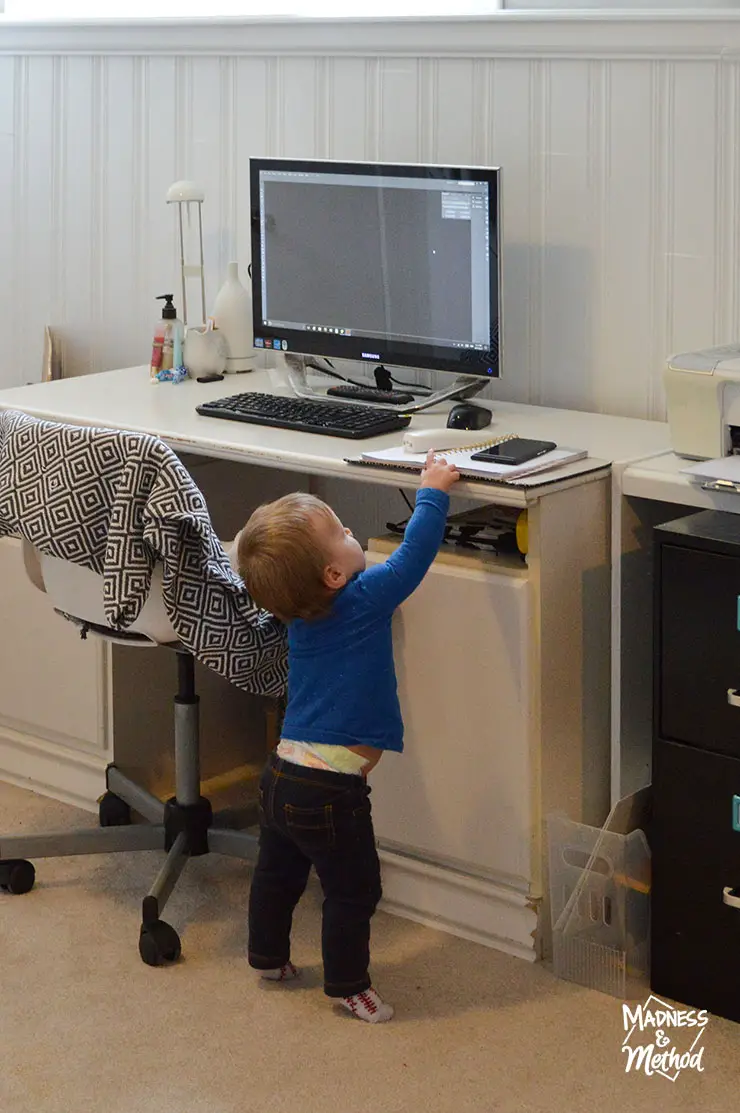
(515, 686)
(660, 479)
(126, 400)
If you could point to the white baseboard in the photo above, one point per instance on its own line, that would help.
(71, 776)
(472, 908)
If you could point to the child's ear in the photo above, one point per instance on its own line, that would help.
(334, 577)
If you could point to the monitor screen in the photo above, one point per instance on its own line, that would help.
(389, 264)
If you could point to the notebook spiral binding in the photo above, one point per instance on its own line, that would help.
(488, 443)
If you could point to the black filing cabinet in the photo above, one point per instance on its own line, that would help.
(695, 835)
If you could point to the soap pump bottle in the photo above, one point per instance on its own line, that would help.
(168, 338)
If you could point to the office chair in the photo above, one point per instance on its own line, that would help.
(118, 536)
(184, 826)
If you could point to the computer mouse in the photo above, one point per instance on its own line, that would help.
(467, 416)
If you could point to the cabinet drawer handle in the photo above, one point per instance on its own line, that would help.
(731, 896)
(733, 697)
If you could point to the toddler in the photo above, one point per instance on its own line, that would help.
(303, 566)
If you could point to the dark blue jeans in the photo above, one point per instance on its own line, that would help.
(313, 817)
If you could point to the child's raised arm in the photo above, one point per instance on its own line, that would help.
(387, 585)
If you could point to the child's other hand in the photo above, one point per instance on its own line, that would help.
(438, 473)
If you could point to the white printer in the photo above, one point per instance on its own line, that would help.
(703, 397)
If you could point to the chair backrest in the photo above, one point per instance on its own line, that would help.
(78, 592)
(114, 503)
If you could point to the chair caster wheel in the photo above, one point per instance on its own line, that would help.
(17, 876)
(113, 811)
(159, 944)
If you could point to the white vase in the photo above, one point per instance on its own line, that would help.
(232, 316)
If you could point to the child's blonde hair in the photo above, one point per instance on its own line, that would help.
(281, 560)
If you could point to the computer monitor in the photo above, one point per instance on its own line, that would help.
(389, 264)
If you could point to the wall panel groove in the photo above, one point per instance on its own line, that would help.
(18, 359)
(540, 182)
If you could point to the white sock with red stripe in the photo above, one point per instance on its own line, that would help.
(285, 973)
(368, 1006)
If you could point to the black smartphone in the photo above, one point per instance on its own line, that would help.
(516, 451)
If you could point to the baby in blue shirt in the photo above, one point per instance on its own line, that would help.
(302, 565)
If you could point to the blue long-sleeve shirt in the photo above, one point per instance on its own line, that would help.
(342, 687)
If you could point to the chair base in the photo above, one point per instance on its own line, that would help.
(183, 831)
(184, 827)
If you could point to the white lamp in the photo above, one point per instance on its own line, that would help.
(186, 193)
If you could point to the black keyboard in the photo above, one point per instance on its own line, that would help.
(370, 394)
(331, 419)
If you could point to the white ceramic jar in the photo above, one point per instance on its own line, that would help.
(205, 352)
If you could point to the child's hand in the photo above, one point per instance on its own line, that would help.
(438, 473)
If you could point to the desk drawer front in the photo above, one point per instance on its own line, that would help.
(696, 856)
(698, 655)
(460, 792)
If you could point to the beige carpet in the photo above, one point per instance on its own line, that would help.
(85, 1027)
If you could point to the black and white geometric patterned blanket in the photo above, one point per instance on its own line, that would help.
(117, 503)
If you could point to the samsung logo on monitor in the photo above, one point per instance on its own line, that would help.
(370, 355)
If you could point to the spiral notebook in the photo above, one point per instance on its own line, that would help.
(401, 460)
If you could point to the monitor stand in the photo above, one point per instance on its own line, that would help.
(463, 386)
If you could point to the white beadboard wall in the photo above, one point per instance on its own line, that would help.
(621, 175)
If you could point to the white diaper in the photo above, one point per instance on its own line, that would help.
(337, 759)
